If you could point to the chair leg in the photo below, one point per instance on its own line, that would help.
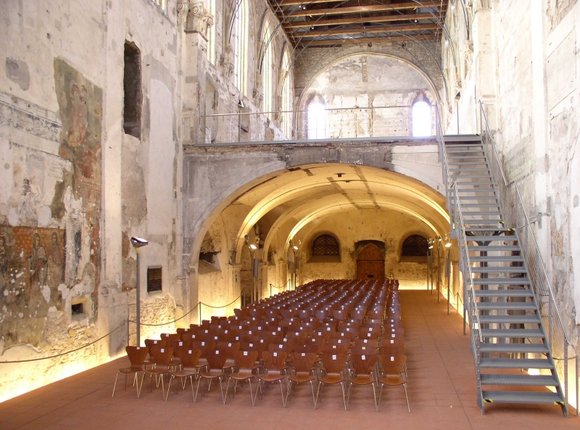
(407, 397)
(379, 395)
(317, 394)
(252, 398)
(115, 384)
(197, 389)
(313, 397)
(345, 394)
(288, 389)
(192, 390)
(228, 388)
(222, 389)
(375, 397)
(282, 392)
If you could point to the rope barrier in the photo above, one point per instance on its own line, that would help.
(224, 306)
(169, 322)
(64, 353)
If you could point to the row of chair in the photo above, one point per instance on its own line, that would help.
(365, 350)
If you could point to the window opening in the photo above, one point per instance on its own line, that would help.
(286, 97)
(415, 246)
(211, 37)
(239, 44)
(421, 118)
(267, 66)
(154, 279)
(132, 91)
(325, 245)
(316, 119)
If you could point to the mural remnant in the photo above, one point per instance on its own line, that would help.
(32, 268)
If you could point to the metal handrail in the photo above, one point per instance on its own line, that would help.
(454, 210)
(466, 263)
(530, 247)
(487, 133)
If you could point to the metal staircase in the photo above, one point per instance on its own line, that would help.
(512, 354)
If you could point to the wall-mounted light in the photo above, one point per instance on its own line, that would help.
(253, 246)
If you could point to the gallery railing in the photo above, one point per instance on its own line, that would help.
(290, 126)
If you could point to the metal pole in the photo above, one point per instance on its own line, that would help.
(138, 300)
(448, 275)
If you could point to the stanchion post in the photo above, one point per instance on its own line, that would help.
(138, 242)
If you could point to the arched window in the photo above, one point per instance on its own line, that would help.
(211, 37)
(325, 245)
(286, 102)
(421, 117)
(240, 46)
(267, 67)
(316, 118)
(415, 246)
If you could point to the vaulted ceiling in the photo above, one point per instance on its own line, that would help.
(323, 23)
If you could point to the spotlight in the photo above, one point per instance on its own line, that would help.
(138, 242)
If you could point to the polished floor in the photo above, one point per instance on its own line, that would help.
(441, 392)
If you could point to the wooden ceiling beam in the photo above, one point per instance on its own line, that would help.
(367, 30)
(365, 41)
(361, 9)
(371, 19)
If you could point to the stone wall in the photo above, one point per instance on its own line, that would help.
(524, 68)
(75, 187)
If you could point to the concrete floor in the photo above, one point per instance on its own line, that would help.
(441, 392)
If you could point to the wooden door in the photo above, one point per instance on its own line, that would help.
(371, 263)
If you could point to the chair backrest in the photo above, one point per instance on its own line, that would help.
(137, 354)
(304, 361)
(162, 356)
(216, 358)
(334, 362)
(364, 364)
(246, 359)
(190, 358)
(393, 364)
(151, 342)
(274, 360)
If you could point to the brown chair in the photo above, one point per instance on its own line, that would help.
(392, 372)
(188, 370)
(273, 370)
(244, 370)
(334, 371)
(363, 372)
(137, 357)
(163, 365)
(216, 360)
(303, 368)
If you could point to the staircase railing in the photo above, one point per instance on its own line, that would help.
(470, 311)
(516, 216)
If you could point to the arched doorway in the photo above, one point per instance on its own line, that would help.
(370, 262)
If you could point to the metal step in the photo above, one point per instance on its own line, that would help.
(526, 306)
(519, 380)
(485, 238)
(491, 204)
(500, 281)
(535, 348)
(512, 333)
(498, 269)
(519, 363)
(534, 397)
(491, 231)
(496, 258)
(509, 319)
(492, 248)
(522, 292)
